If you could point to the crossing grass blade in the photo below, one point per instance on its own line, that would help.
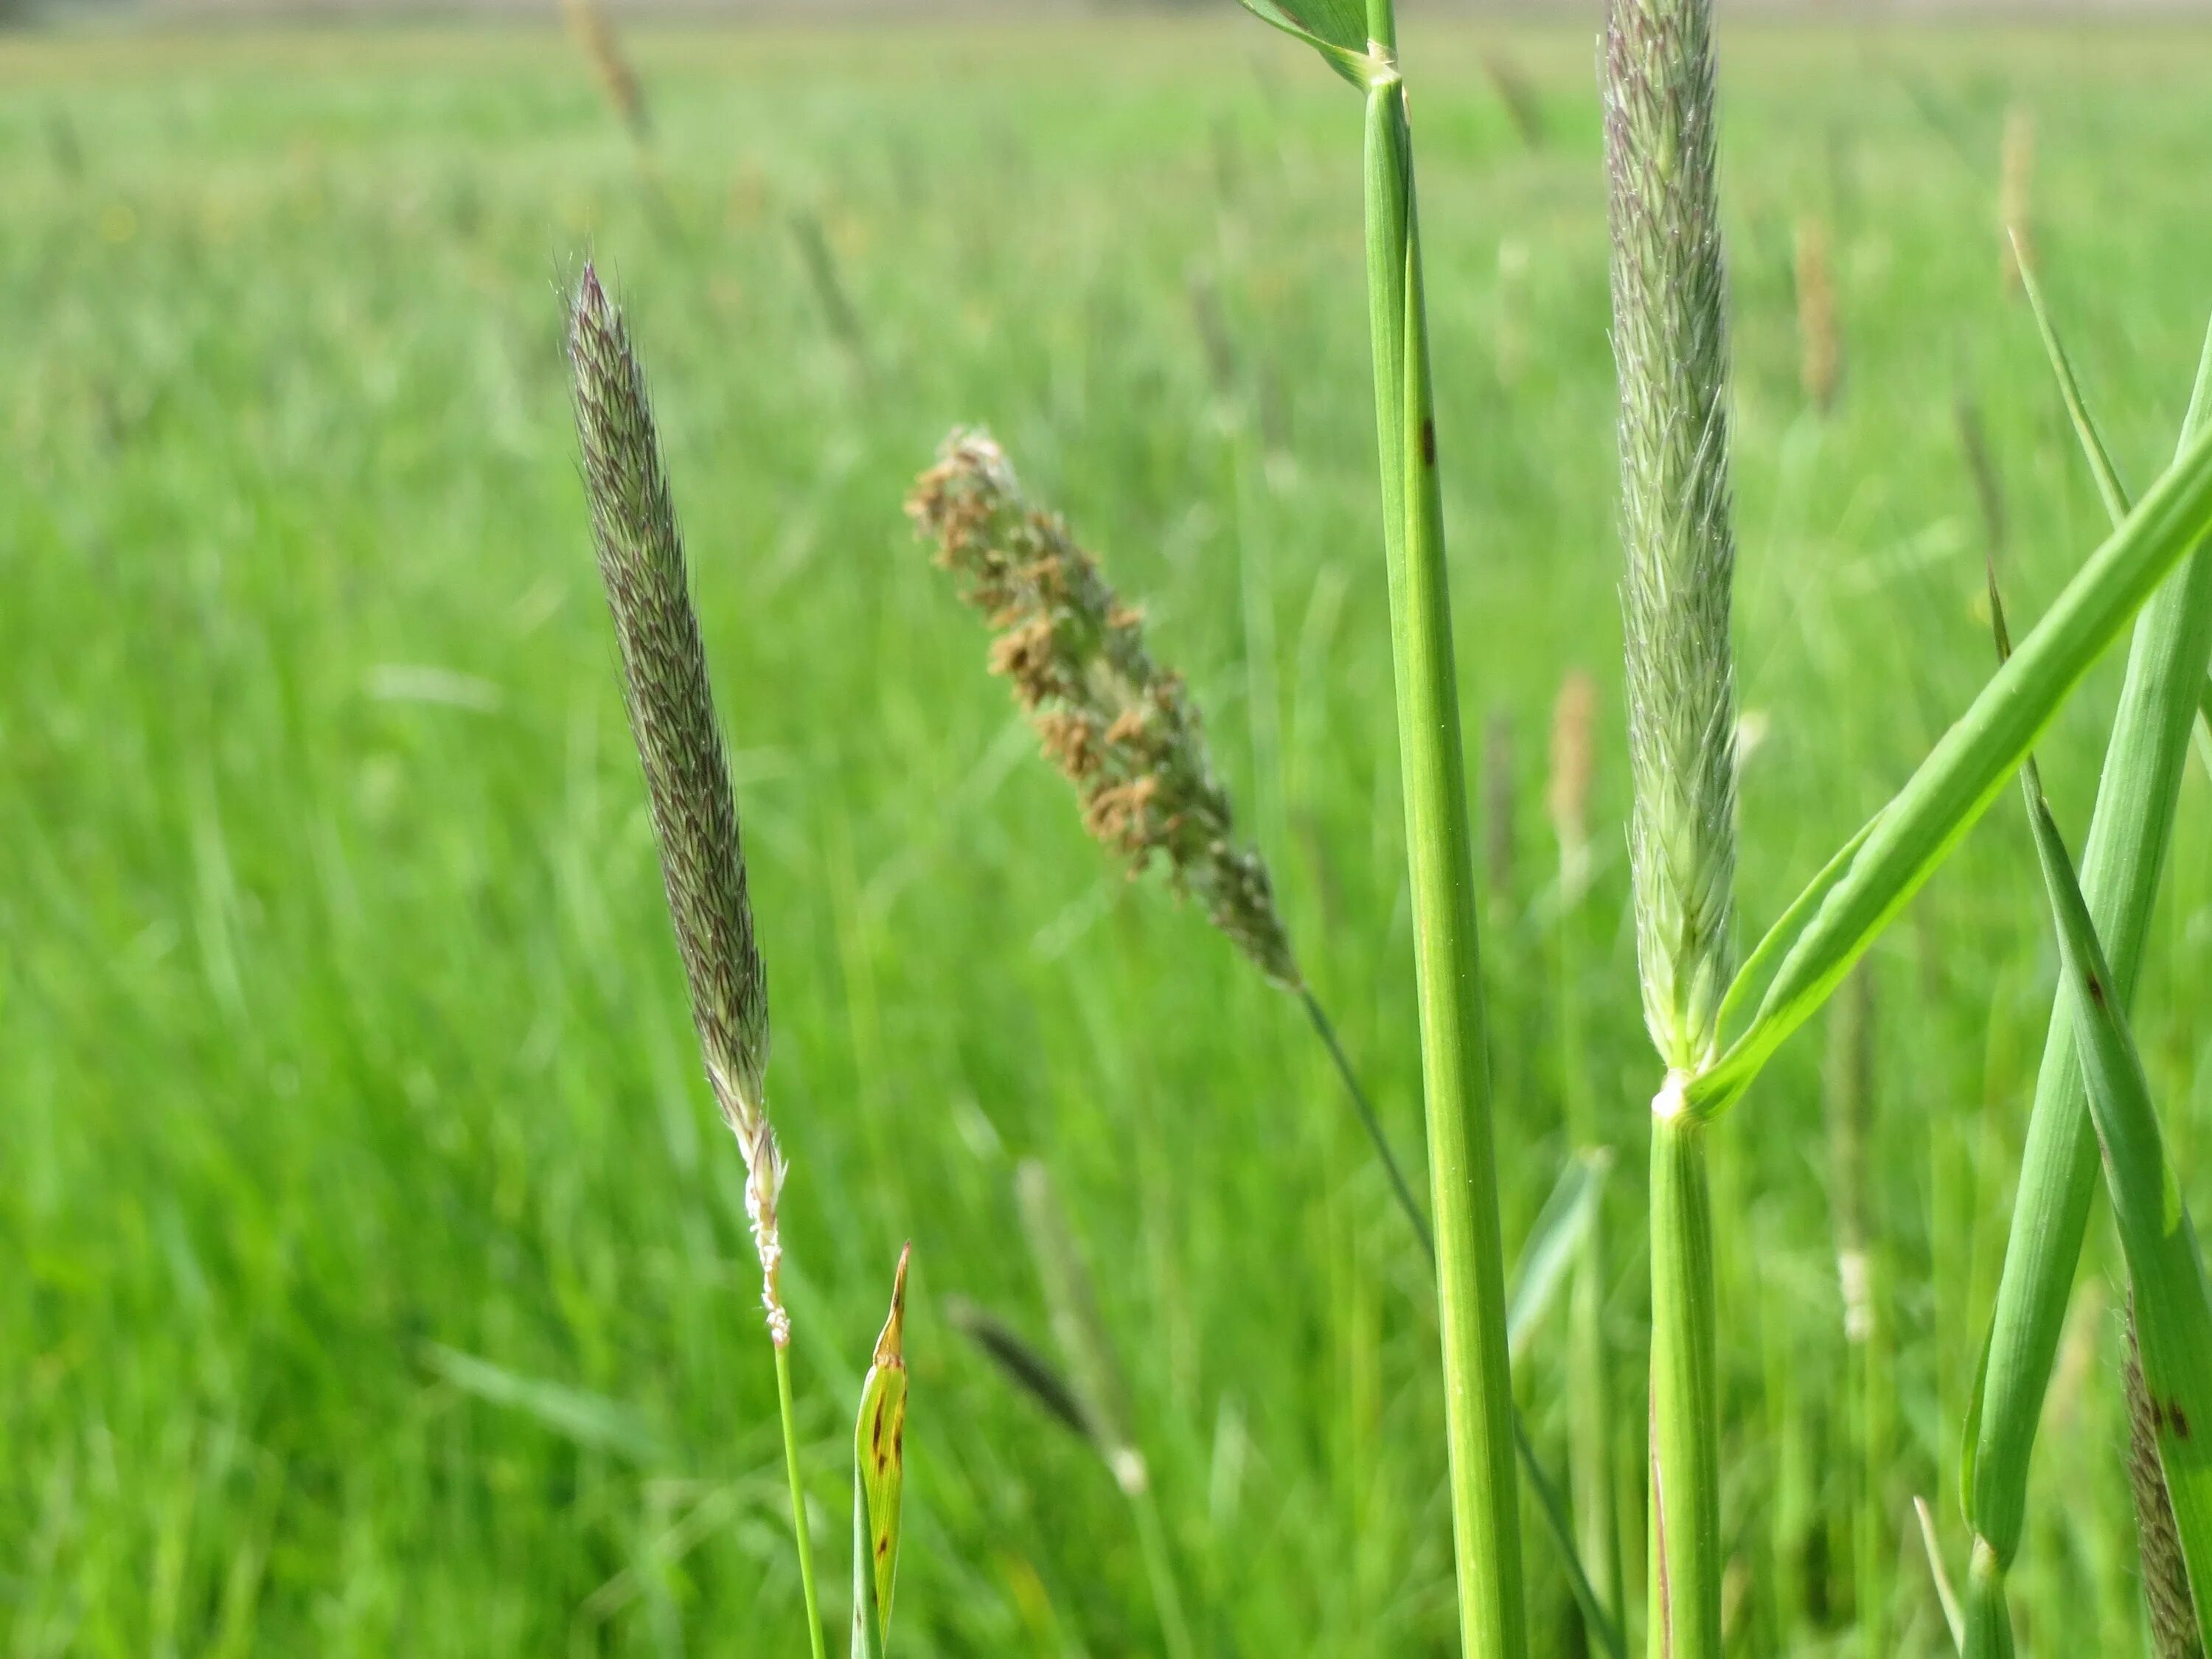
(1912, 835)
(2121, 866)
(2173, 1301)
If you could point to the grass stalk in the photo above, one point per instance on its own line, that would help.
(2121, 865)
(801, 1531)
(1590, 1437)
(1685, 1547)
(1670, 340)
(670, 697)
(1850, 1098)
(1455, 1040)
(1095, 1385)
(1369, 1122)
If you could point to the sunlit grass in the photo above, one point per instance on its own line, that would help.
(339, 1033)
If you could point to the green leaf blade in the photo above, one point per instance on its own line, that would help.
(2172, 1303)
(1968, 767)
(1337, 30)
(1549, 1251)
(2120, 877)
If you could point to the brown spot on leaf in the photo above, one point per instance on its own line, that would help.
(1429, 442)
(2095, 986)
(2178, 1419)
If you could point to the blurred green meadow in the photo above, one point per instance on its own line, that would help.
(375, 1271)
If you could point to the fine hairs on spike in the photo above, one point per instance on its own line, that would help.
(1670, 338)
(2165, 1570)
(1123, 730)
(671, 716)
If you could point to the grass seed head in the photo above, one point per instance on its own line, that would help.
(679, 742)
(1670, 340)
(1820, 352)
(2165, 1568)
(1121, 729)
(1499, 801)
(595, 35)
(1566, 791)
(2016, 196)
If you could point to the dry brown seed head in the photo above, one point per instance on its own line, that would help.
(1121, 729)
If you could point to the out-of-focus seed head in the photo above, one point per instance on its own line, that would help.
(595, 36)
(1124, 731)
(1500, 805)
(1566, 791)
(2016, 196)
(1820, 348)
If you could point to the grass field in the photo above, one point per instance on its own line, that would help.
(375, 1277)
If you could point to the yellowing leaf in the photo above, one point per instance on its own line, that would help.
(879, 1452)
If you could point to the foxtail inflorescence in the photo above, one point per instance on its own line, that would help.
(671, 716)
(1670, 338)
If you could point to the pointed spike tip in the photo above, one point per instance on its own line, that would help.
(891, 1346)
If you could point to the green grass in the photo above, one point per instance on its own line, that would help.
(340, 1031)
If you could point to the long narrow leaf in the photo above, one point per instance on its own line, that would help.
(1549, 1250)
(2173, 1302)
(1946, 1596)
(2119, 879)
(1963, 775)
(1759, 965)
(576, 1414)
(1337, 30)
(2115, 493)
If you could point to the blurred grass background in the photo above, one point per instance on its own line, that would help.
(376, 1274)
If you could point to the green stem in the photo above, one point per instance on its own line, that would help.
(1684, 1619)
(1159, 1568)
(1988, 1623)
(1589, 1366)
(798, 1528)
(1470, 1268)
